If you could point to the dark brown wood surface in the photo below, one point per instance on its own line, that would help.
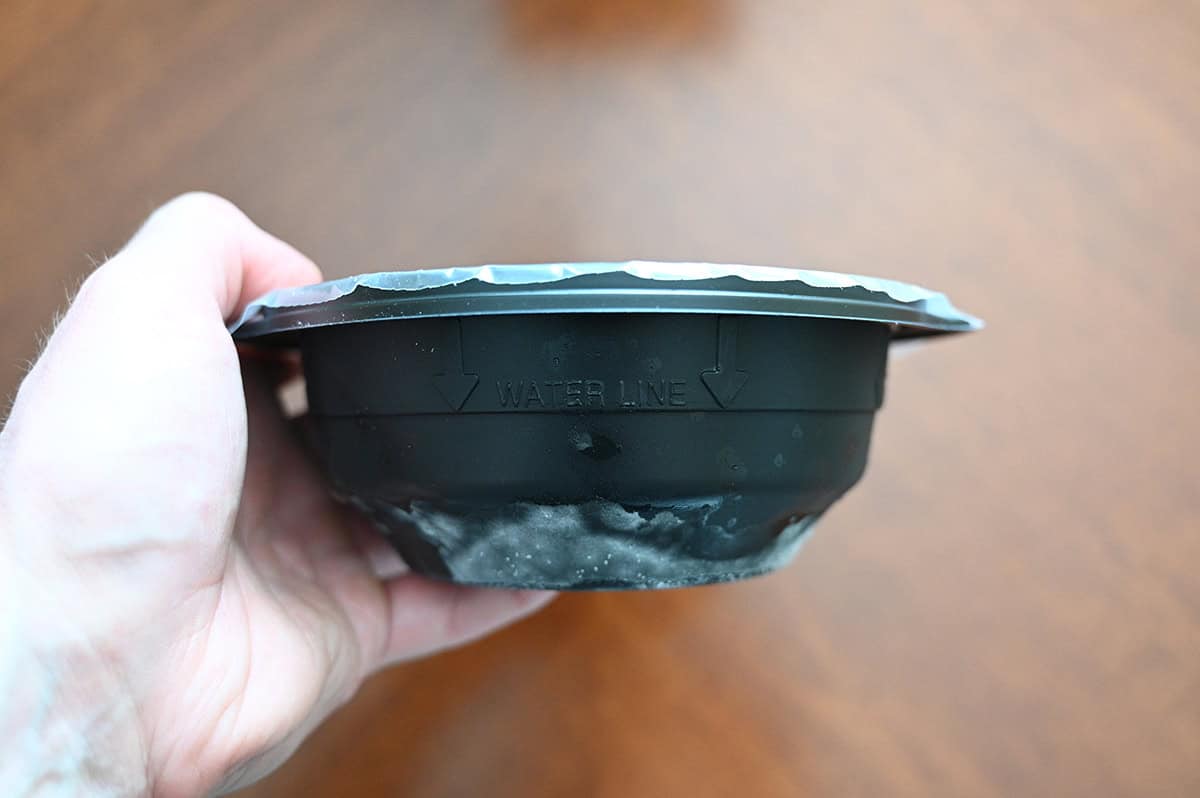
(1009, 604)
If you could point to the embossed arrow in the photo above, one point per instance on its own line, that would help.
(726, 381)
(454, 384)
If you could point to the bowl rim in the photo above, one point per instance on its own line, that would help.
(630, 287)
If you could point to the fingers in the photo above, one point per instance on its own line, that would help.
(381, 557)
(281, 488)
(425, 616)
(280, 365)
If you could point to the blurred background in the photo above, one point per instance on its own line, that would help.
(1009, 602)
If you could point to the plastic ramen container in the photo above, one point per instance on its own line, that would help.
(583, 426)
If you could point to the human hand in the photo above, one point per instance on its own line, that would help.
(180, 601)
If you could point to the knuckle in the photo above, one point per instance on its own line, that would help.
(197, 207)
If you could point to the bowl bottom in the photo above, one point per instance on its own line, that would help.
(594, 545)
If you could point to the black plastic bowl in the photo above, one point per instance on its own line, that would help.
(599, 431)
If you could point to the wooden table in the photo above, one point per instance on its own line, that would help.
(1009, 604)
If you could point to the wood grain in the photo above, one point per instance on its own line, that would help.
(1009, 602)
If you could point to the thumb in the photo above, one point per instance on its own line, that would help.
(131, 426)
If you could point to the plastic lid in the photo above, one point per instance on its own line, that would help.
(632, 287)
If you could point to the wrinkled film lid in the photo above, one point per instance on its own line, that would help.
(632, 287)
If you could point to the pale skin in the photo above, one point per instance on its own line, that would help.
(181, 602)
